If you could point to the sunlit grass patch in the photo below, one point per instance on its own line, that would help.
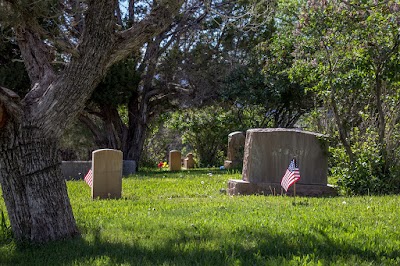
(186, 218)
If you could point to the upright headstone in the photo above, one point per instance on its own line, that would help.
(175, 161)
(128, 167)
(189, 161)
(107, 173)
(236, 141)
(267, 155)
(75, 170)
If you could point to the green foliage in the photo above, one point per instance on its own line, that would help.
(119, 85)
(206, 131)
(13, 12)
(5, 230)
(77, 143)
(160, 140)
(12, 72)
(365, 176)
(182, 218)
(262, 79)
(347, 54)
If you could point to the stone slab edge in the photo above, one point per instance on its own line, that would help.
(241, 187)
(261, 130)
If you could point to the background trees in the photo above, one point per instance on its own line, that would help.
(347, 52)
(139, 88)
(326, 66)
(185, 66)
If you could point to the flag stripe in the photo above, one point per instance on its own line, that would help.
(89, 178)
(291, 176)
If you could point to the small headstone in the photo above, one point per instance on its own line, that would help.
(107, 173)
(128, 167)
(189, 161)
(175, 162)
(236, 141)
(75, 170)
(267, 155)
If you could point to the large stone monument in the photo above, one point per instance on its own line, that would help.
(175, 160)
(236, 141)
(107, 173)
(267, 155)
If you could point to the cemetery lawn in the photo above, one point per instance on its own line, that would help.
(185, 218)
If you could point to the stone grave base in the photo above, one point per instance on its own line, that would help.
(241, 187)
(232, 164)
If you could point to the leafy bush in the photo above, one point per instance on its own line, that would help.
(206, 130)
(366, 175)
(5, 230)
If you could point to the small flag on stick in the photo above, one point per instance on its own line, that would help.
(89, 178)
(291, 176)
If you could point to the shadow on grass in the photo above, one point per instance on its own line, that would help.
(190, 247)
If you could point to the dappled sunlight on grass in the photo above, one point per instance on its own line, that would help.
(187, 219)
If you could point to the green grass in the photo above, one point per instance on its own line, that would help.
(184, 218)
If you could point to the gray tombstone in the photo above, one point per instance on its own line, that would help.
(267, 155)
(75, 170)
(236, 141)
(128, 167)
(107, 173)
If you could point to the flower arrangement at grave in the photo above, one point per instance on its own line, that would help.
(162, 165)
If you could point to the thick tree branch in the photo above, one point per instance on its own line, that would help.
(161, 16)
(37, 59)
(97, 132)
(56, 100)
(131, 10)
(66, 97)
(10, 107)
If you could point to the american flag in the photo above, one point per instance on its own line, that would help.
(291, 176)
(89, 178)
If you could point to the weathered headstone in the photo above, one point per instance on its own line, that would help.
(189, 161)
(75, 170)
(107, 173)
(267, 155)
(128, 167)
(175, 161)
(236, 141)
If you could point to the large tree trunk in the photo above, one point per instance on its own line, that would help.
(111, 132)
(34, 189)
(138, 122)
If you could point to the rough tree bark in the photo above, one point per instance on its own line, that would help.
(33, 188)
(143, 104)
(146, 100)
